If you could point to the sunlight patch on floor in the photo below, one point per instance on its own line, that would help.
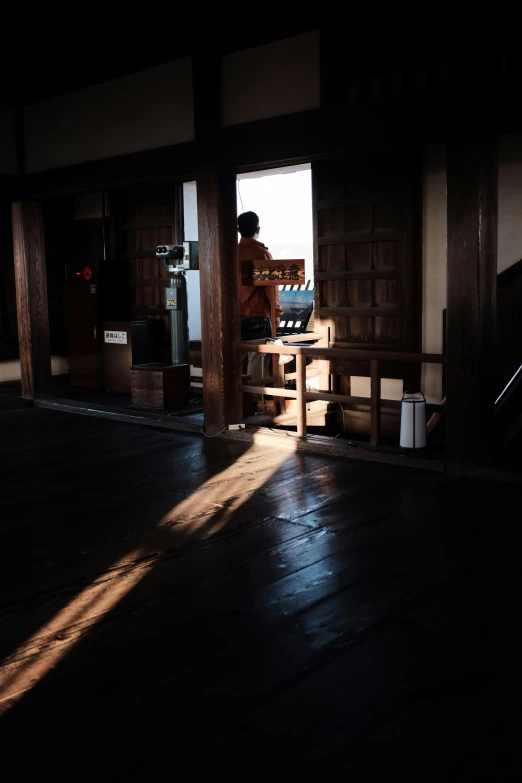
(205, 511)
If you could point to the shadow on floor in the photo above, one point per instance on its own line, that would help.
(172, 600)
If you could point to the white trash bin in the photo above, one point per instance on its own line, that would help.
(413, 421)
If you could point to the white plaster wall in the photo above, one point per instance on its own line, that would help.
(509, 200)
(90, 206)
(144, 110)
(271, 80)
(190, 227)
(10, 371)
(7, 140)
(391, 388)
(434, 264)
(190, 211)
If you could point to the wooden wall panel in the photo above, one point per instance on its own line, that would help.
(386, 256)
(386, 216)
(386, 292)
(360, 292)
(332, 221)
(150, 217)
(359, 256)
(358, 218)
(359, 330)
(387, 331)
(365, 280)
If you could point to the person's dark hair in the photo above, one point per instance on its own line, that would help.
(247, 224)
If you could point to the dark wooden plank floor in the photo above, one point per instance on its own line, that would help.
(179, 607)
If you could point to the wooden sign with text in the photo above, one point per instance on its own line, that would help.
(281, 272)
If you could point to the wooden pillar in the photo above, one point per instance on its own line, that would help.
(471, 304)
(219, 286)
(300, 385)
(375, 409)
(31, 297)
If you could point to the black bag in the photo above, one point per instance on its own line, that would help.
(256, 328)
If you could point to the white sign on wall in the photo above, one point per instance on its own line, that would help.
(115, 337)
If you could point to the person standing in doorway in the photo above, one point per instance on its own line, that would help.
(255, 301)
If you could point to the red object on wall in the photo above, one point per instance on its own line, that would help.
(82, 323)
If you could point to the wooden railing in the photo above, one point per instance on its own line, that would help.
(302, 395)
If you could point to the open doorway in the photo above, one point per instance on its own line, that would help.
(282, 198)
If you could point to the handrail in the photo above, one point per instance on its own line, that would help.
(303, 337)
(349, 354)
(508, 386)
(300, 393)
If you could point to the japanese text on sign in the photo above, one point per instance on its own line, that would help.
(115, 337)
(274, 272)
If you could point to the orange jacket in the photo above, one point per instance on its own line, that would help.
(256, 300)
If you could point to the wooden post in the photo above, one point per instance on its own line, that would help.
(31, 297)
(375, 409)
(300, 386)
(219, 287)
(471, 306)
(277, 369)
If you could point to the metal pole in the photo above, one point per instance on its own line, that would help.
(179, 320)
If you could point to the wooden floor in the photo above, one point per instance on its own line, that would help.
(174, 607)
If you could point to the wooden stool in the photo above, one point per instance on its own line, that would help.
(160, 386)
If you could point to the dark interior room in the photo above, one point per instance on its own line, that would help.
(260, 396)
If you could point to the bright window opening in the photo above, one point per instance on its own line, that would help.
(282, 198)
